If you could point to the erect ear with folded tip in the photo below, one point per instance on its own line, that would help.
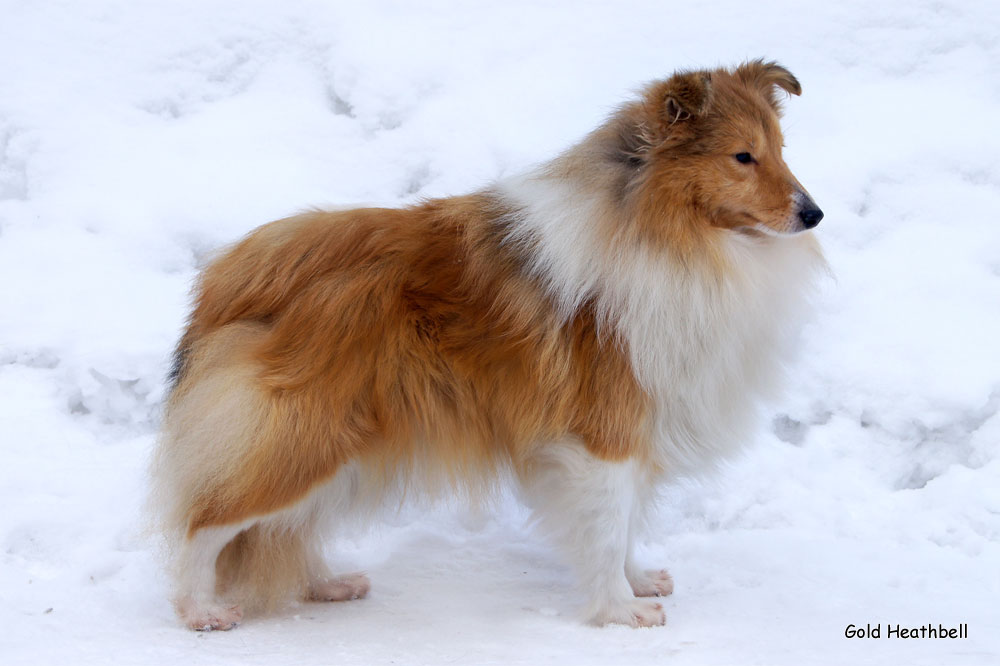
(767, 76)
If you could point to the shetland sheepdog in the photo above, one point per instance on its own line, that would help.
(587, 330)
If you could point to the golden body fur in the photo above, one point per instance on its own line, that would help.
(591, 328)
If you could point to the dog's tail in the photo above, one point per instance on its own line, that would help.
(222, 463)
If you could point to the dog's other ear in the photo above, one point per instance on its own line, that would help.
(684, 95)
(767, 76)
(662, 116)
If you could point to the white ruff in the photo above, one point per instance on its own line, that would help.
(707, 346)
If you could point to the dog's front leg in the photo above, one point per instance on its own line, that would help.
(586, 503)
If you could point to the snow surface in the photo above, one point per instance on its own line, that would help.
(136, 138)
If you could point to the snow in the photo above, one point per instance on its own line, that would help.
(136, 138)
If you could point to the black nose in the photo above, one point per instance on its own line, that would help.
(810, 217)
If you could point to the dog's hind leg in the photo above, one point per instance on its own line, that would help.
(196, 601)
(324, 585)
(344, 587)
(235, 477)
(586, 503)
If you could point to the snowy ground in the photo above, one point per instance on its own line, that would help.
(137, 137)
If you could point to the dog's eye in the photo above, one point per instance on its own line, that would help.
(744, 158)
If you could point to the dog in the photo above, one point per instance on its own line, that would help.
(608, 321)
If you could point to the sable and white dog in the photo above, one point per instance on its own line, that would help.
(591, 328)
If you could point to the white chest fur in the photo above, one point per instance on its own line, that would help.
(706, 344)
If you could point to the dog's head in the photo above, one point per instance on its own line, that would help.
(711, 140)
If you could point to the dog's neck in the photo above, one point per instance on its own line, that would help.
(697, 327)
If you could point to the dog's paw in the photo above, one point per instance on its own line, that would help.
(635, 613)
(340, 588)
(652, 583)
(211, 617)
